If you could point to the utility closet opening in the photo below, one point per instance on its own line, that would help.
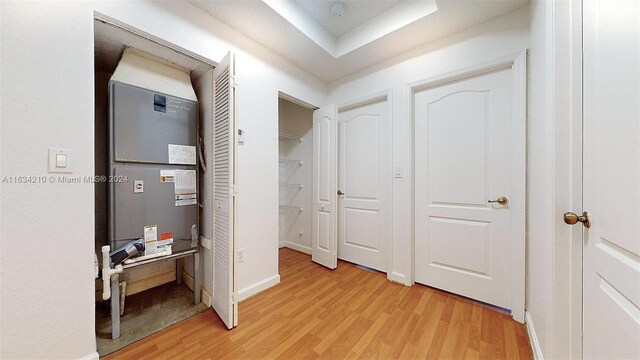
(153, 113)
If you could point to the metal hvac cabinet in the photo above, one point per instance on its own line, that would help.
(153, 183)
(153, 167)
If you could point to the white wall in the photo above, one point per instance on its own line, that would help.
(296, 120)
(47, 101)
(506, 35)
(46, 259)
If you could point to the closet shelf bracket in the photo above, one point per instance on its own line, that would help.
(289, 137)
(290, 162)
(290, 209)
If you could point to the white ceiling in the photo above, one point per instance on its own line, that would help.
(358, 12)
(365, 32)
(262, 23)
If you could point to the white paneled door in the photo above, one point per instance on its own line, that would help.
(324, 235)
(469, 141)
(611, 179)
(363, 172)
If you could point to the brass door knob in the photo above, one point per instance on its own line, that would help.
(502, 200)
(571, 218)
(340, 192)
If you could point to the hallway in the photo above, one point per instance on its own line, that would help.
(345, 313)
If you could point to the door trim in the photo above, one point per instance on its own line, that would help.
(566, 50)
(385, 95)
(518, 63)
(575, 185)
(285, 96)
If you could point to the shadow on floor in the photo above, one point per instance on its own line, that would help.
(145, 313)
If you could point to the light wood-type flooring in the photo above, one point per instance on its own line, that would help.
(347, 313)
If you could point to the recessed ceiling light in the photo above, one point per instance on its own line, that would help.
(338, 9)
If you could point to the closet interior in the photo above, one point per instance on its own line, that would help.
(295, 135)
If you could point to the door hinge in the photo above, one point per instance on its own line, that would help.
(233, 190)
(234, 298)
(233, 82)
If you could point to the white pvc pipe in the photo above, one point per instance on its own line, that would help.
(107, 272)
(167, 252)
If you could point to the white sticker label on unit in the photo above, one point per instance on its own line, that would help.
(166, 239)
(164, 243)
(182, 154)
(167, 176)
(185, 187)
(150, 239)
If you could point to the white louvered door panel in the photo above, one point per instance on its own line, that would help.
(204, 89)
(224, 199)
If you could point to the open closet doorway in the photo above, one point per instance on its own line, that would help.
(295, 135)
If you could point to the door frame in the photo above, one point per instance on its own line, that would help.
(568, 114)
(563, 46)
(157, 40)
(282, 95)
(385, 95)
(518, 63)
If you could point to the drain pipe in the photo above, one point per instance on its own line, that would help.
(107, 272)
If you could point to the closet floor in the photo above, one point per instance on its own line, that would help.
(145, 313)
(342, 314)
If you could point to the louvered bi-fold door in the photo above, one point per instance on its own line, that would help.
(224, 302)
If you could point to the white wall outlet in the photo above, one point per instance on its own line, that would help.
(240, 255)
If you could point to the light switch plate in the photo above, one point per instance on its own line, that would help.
(60, 160)
(240, 136)
(397, 172)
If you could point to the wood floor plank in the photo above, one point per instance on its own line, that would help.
(455, 330)
(510, 339)
(348, 313)
(368, 336)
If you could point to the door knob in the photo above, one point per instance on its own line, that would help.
(571, 218)
(340, 192)
(502, 200)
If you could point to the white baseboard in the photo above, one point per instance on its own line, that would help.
(263, 285)
(399, 278)
(93, 356)
(301, 248)
(282, 244)
(535, 344)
